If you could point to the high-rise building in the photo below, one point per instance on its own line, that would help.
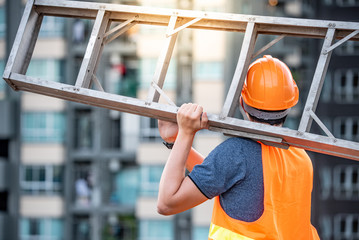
(336, 196)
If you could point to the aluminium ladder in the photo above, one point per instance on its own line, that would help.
(334, 34)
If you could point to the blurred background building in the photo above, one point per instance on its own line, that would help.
(72, 171)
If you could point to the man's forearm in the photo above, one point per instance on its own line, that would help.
(174, 171)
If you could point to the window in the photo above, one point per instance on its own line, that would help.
(46, 69)
(326, 95)
(121, 78)
(2, 82)
(149, 129)
(43, 127)
(200, 232)
(42, 179)
(2, 21)
(150, 180)
(348, 48)
(113, 131)
(325, 181)
(328, 2)
(83, 129)
(82, 228)
(147, 71)
(84, 184)
(346, 182)
(346, 86)
(347, 128)
(209, 71)
(348, 3)
(156, 230)
(41, 229)
(346, 225)
(119, 227)
(52, 27)
(126, 186)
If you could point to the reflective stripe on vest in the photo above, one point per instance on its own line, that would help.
(220, 233)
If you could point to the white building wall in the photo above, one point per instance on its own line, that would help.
(42, 154)
(146, 208)
(2, 49)
(152, 153)
(31, 102)
(130, 131)
(42, 206)
(50, 48)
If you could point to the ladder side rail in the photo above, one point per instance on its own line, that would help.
(317, 82)
(239, 76)
(305, 140)
(63, 7)
(93, 50)
(212, 20)
(163, 61)
(24, 43)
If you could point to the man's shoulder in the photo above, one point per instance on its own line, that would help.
(239, 141)
(239, 145)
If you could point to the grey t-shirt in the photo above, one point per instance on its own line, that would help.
(233, 170)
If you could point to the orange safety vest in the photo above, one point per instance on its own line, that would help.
(288, 182)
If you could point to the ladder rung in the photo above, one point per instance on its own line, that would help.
(245, 57)
(163, 61)
(93, 51)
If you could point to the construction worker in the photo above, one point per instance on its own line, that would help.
(260, 191)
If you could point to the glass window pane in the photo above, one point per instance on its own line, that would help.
(2, 82)
(57, 174)
(208, 71)
(28, 174)
(56, 228)
(43, 127)
(24, 227)
(147, 70)
(156, 230)
(46, 69)
(83, 128)
(42, 174)
(200, 232)
(126, 186)
(52, 27)
(150, 178)
(34, 227)
(43, 227)
(42, 179)
(2, 21)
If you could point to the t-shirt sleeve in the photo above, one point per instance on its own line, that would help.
(222, 169)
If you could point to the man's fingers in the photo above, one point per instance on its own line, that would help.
(204, 121)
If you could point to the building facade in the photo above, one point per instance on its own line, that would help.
(336, 196)
(73, 171)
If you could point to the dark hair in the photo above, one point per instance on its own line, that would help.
(269, 121)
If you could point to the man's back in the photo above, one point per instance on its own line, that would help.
(287, 199)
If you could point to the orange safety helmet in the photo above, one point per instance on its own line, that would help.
(270, 85)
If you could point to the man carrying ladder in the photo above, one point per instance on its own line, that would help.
(260, 191)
